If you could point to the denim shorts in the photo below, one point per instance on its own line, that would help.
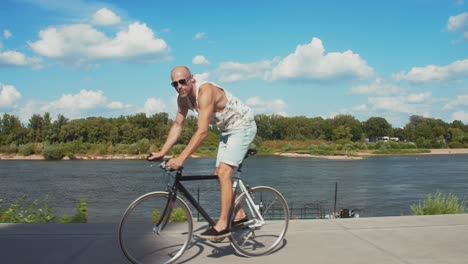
(234, 144)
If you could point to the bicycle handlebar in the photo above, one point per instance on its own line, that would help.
(163, 164)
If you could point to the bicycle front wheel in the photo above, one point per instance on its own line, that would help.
(268, 215)
(143, 241)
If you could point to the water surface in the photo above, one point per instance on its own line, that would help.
(377, 186)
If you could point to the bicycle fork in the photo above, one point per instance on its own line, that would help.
(166, 214)
(255, 209)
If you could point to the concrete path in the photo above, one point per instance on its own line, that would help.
(408, 239)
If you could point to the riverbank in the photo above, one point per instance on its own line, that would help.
(354, 156)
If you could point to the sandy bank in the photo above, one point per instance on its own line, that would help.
(356, 156)
(330, 157)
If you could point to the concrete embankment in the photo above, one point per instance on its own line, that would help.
(408, 239)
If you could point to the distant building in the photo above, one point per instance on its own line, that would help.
(387, 138)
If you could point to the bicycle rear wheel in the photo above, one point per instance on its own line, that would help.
(142, 241)
(256, 237)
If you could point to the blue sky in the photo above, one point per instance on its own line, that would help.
(391, 59)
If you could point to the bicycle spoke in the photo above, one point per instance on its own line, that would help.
(144, 241)
(269, 221)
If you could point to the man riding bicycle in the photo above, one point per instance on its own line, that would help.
(214, 105)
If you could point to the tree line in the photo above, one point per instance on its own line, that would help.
(341, 129)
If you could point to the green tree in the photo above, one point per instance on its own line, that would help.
(348, 121)
(376, 127)
(12, 130)
(54, 130)
(455, 135)
(342, 134)
(36, 128)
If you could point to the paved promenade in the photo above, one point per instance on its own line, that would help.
(408, 239)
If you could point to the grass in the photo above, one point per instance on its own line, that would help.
(439, 203)
(401, 151)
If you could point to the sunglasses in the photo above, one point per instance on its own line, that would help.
(181, 82)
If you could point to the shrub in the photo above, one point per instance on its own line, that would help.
(456, 145)
(80, 215)
(75, 147)
(143, 146)
(12, 148)
(133, 149)
(26, 149)
(178, 215)
(423, 143)
(53, 152)
(156, 215)
(38, 211)
(120, 149)
(439, 204)
(177, 149)
(38, 148)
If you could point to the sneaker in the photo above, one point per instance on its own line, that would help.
(211, 233)
(238, 222)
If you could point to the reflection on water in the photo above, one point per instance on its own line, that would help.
(378, 186)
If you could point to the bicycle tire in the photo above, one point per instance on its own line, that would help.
(138, 239)
(248, 238)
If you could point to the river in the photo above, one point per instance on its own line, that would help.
(376, 186)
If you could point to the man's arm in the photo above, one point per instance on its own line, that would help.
(176, 128)
(206, 102)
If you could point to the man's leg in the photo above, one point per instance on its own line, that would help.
(224, 173)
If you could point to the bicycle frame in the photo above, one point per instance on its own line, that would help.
(177, 186)
(254, 209)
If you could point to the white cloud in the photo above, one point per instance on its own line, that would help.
(82, 101)
(459, 2)
(360, 108)
(80, 45)
(1, 45)
(411, 103)
(200, 59)
(460, 100)
(154, 105)
(15, 58)
(7, 34)
(199, 35)
(117, 105)
(202, 77)
(235, 71)
(105, 17)
(458, 22)
(8, 95)
(460, 115)
(83, 104)
(259, 106)
(310, 62)
(379, 87)
(431, 73)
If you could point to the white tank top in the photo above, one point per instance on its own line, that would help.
(235, 115)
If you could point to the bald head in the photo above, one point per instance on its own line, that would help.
(180, 72)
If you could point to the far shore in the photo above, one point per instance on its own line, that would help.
(353, 156)
(362, 154)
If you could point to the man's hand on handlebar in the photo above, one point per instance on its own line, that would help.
(172, 164)
(175, 163)
(154, 156)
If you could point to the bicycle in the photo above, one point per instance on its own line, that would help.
(158, 226)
